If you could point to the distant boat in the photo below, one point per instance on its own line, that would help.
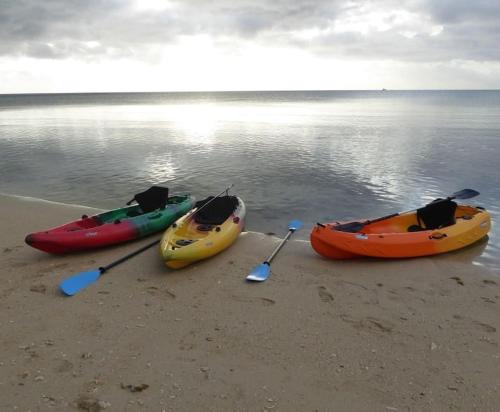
(384, 90)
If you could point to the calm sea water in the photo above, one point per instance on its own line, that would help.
(315, 156)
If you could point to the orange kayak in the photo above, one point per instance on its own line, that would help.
(404, 235)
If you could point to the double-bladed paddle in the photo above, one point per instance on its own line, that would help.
(75, 283)
(81, 280)
(261, 272)
(357, 226)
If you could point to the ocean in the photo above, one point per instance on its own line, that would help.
(317, 156)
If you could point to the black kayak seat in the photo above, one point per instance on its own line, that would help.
(155, 197)
(437, 214)
(215, 213)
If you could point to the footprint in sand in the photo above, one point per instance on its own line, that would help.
(10, 249)
(64, 366)
(485, 327)
(264, 301)
(153, 290)
(38, 288)
(383, 325)
(324, 294)
(369, 323)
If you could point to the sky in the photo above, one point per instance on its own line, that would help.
(181, 45)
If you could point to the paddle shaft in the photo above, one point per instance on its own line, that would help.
(401, 213)
(268, 261)
(196, 210)
(463, 194)
(126, 257)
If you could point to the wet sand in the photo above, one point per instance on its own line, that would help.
(367, 335)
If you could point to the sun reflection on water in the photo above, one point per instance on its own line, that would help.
(197, 122)
(160, 168)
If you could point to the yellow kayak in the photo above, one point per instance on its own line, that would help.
(204, 232)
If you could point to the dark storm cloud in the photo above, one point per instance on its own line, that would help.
(91, 28)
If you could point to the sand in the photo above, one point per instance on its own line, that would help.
(319, 335)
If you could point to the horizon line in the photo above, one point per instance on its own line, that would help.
(252, 91)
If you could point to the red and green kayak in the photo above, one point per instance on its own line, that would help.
(109, 228)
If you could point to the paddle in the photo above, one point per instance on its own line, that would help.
(357, 226)
(261, 272)
(75, 283)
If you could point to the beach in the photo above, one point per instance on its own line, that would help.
(365, 335)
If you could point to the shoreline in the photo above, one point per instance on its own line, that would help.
(52, 202)
(416, 334)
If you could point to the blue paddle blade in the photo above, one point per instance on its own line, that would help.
(294, 225)
(259, 273)
(465, 194)
(79, 281)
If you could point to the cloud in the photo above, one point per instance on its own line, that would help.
(58, 28)
(459, 11)
(411, 30)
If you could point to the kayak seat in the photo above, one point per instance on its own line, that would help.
(215, 213)
(155, 197)
(437, 214)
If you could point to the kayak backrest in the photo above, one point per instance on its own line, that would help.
(217, 211)
(155, 197)
(439, 213)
